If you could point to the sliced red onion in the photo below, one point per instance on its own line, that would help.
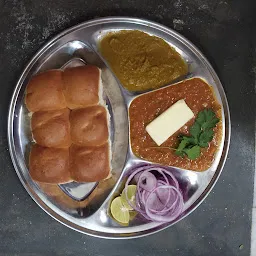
(147, 181)
(168, 217)
(157, 198)
(168, 206)
(144, 196)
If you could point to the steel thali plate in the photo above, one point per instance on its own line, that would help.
(70, 204)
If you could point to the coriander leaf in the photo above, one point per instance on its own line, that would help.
(210, 120)
(195, 130)
(193, 152)
(190, 140)
(206, 136)
(182, 145)
(210, 124)
(209, 114)
(180, 153)
(203, 144)
(201, 134)
(201, 117)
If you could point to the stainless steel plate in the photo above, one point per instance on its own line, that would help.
(90, 216)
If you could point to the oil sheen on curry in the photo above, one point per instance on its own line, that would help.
(140, 61)
(198, 96)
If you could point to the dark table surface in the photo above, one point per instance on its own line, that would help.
(225, 32)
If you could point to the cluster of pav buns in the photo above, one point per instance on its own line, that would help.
(69, 126)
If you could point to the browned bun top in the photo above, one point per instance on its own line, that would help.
(89, 164)
(53, 159)
(51, 128)
(89, 126)
(45, 92)
(81, 86)
(49, 165)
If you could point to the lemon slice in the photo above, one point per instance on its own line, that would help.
(131, 191)
(133, 214)
(119, 211)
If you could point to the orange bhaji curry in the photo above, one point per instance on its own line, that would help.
(145, 108)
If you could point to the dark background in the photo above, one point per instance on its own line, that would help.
(225, 32)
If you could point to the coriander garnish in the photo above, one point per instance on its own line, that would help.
(201, 134)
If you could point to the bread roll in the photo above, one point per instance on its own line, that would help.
(89, 126)
(89, 164)
(49, 165)
(51, 128)
(45, 92)
(50, 96)
(81, 86)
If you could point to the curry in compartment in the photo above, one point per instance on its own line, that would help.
(140, 61)
(145, 108)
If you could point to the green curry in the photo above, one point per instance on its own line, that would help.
(140, 61)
